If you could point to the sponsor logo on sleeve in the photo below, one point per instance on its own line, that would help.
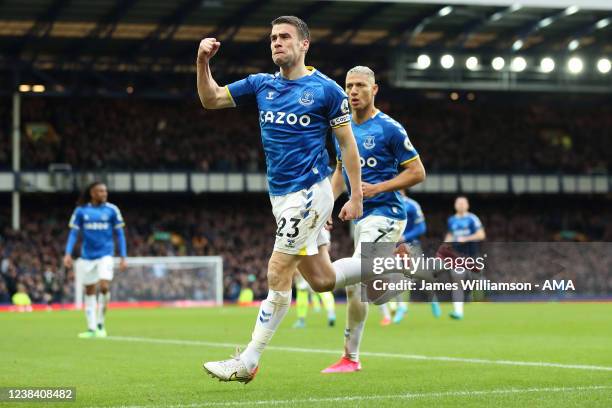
(340, 120)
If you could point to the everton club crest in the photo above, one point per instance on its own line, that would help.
(307, 98)
(369, 142)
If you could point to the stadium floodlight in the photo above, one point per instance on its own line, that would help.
(445, 11)
(545, 22)
(423, 61)
(25, 88)
(571, 10)
(575, 65)
(471, 63)
(604, 65)
(574, 44)
(518, 64)
(38, 88)
(517, 45)
(498, 63)
(603, 23)
(547, 65)
(447, 61)
(497, 16)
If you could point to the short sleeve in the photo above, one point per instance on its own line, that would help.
(402, 149)
(76, 220)
(449, 224)
(243, 91)
(338, 111)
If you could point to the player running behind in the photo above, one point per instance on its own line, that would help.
(384, 147)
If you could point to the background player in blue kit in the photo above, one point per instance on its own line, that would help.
(96, 220)
(297, 106)
(416, 227)
(466, 232)
(384, 147)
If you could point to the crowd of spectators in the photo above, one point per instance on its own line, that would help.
(241, 229)
(489, 135)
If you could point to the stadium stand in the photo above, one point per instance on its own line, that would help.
(496, 134)
(241, 230)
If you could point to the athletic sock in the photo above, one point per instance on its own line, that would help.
(301, 303)
(384, 309)
(103, 299)
(329, 304)
(271, 313)
(458, 308)
(357, 313)
(90, 311)
(315, 299)
(348, 272)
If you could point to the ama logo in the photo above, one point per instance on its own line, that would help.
(307, 98)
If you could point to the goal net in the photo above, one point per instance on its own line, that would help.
(189, 279)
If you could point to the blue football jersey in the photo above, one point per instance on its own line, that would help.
(414, 214)
(294, 117)
(383, 146)
(97, 223)
(463, 226)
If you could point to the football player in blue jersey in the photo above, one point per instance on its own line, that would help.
(297, 106)
(384, 147)
(466, 232)
(96, 219)
(415, 229)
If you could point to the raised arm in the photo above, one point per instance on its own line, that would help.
(211, 94)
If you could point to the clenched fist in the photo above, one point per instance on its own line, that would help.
(352, 209)
(208, 48)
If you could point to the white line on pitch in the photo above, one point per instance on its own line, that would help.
(368, 354)
(408, 395)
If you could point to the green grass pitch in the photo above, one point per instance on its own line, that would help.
(401, 363)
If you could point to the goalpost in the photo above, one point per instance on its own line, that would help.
(165, 279)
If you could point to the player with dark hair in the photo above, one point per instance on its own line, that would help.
(297, 107)
(96, 219)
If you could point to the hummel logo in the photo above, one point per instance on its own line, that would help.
(265, 317)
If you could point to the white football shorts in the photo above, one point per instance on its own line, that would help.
(376, 228)
(301, 217)
(93, 270)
